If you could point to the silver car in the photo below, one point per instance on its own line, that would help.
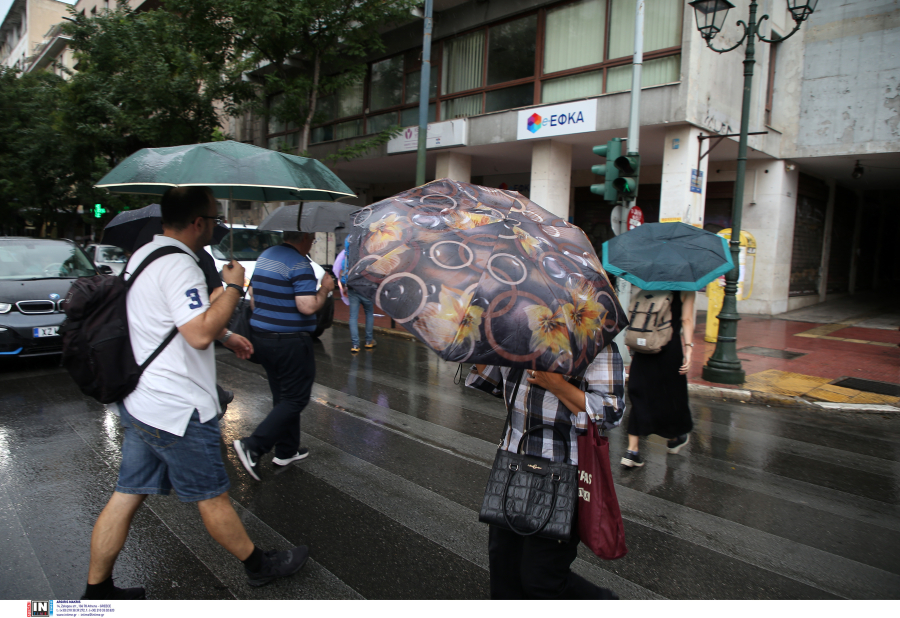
(108, 255)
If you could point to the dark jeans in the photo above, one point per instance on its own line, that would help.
(531, 567)
(290, 365)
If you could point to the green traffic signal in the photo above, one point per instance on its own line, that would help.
(99, 211)
(628, 170)
(611, 151)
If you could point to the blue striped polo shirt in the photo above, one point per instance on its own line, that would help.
(281, 274)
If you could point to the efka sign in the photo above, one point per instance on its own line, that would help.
(578, 117)
(440, 134)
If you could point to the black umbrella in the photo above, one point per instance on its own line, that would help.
(133, 228)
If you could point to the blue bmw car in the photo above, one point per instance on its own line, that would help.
(35, 276)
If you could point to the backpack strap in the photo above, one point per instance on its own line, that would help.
(158, 253)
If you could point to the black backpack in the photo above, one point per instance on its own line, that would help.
(96, 344)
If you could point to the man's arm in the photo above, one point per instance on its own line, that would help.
(201, 331)
(308, 305)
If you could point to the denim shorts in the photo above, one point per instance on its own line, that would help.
(156, 461)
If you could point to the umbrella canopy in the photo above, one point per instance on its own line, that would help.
(668, 256)
(485, 276)
(233, 171)
(314, 217)
(127, 227)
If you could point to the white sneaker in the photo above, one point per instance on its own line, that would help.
(303, 453)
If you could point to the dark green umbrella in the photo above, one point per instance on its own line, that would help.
(234, 171)
(667, 256)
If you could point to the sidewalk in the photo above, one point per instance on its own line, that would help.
(788, 361)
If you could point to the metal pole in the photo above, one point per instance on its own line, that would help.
(724, 366)
(424, 91)
(623, 288)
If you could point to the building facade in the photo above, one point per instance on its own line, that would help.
(24, 29)
(521, 91)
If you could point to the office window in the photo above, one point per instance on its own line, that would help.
(662, 26)
(414, 83)
(654, 72)
(377, 124)
(577, 86)
(575, 36)
(511, 49)
(770, 84)
(463, 66)
(461, 107)
(509, 98)
(387, 83)
(410, 116)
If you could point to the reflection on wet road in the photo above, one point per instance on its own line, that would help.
(764, 503)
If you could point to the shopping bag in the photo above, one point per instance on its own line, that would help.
(599, 518)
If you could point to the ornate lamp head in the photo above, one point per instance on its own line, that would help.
(801, 9)
(711, 15)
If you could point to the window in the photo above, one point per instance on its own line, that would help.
(770, 85)
(575, 36)
(410, 116)
(662, 26)
(511, 49)
(574, 49)
(463, 63)
(387, 83)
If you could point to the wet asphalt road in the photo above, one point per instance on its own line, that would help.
(765, 503)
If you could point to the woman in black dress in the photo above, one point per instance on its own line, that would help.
(658, 387)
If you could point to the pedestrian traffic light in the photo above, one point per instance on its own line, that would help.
(612, 150)
(99, 211)
(627, 170)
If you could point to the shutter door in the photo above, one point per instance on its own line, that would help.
(809, 236)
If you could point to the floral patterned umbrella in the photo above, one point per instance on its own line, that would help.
(483, 275)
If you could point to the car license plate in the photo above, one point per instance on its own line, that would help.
(46, 331)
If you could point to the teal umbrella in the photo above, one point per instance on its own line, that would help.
(234, 171)
(667, 256)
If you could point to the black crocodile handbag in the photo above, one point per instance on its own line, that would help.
(531, 495)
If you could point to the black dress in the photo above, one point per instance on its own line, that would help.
(658, 393)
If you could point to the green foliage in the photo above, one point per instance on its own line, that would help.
(309, 48)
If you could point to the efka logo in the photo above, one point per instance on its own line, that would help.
(535, 122)
(40, 608)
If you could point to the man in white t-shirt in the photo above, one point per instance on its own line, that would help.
(171, 431)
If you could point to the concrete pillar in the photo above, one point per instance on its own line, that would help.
(680, 154)
(551, 176)
(770, 207)
(454, 166)
(826, 242)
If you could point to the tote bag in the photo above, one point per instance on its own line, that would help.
(600, 523)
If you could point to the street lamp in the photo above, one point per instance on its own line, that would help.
(724, 366)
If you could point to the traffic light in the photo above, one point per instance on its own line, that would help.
(627, 170)
(611, 151)
(99, 211)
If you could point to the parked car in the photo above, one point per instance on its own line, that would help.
(108, 255)
(35, 276)
(249, 243)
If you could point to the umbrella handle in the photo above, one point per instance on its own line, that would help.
(230, 223)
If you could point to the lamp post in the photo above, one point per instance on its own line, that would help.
(724, 366)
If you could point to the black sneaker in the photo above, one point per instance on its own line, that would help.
(301, 454)
(278, 564)
(677, 444)
(248, 458)
(225, 397)
(632, 460)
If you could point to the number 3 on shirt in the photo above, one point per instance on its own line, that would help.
(194, 295)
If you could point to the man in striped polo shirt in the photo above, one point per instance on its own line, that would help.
(285, 302)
